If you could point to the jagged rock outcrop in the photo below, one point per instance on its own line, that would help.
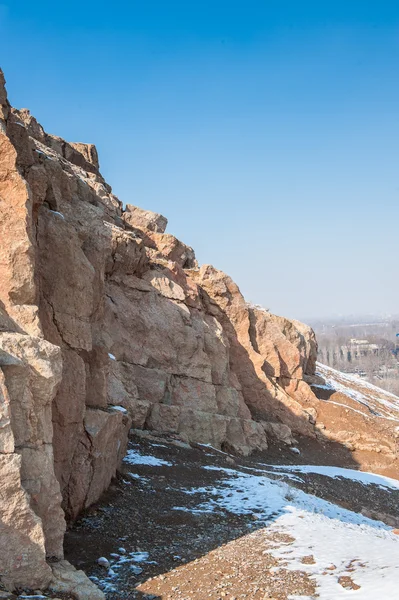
(108, 322)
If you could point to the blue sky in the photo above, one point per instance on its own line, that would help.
(266, 131)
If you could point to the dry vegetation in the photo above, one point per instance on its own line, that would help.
(365, 347)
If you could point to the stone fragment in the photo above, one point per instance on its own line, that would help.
(67, 580)
(103, 562)
(279, 432)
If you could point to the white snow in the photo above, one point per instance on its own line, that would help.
(121, 409)
(138, 477)
(139, 556)
(158, 445)
(213, 448)
(381, 404)
(253, 470)
(360, 476)
(45, 154)
(358, 547)
(109, 582)
(359, 412)
(133, 457)
(366, 554)
(223, 469)
(56, 212)
(194, 511)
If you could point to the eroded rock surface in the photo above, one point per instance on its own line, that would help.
(107, 321)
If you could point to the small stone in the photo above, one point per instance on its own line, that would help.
(103, 562)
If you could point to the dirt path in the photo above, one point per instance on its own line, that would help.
(242, 568)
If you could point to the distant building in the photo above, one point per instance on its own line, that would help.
(357, 348)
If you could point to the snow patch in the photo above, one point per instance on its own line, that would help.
(56, 212)
(380, 403)
(361, 476)
(342, 543)
(121, 409)
(133, 457)
(139, 556)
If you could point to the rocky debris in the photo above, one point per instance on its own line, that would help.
(278, 431)
(200, 554)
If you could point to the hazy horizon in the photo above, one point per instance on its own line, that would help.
(267, 135)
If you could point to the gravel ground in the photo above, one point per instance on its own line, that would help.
(158, 552)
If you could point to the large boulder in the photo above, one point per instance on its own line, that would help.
(144, 219)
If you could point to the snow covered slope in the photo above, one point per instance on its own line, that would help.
(375, 400)
(344, 551)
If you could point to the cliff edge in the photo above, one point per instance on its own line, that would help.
(107, 322)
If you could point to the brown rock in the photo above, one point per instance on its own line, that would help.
(144, 219)
(22, 551)
(164, 418)
(207, 428)
(6, 434)
(279, 431)
(108, 441)
(138, 326)
(31, 377)
(139, 411)
(66, 579)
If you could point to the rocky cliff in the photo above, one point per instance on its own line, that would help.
(107, 323)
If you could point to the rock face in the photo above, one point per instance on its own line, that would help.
(106, 321)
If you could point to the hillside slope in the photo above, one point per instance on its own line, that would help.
(208, 526)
